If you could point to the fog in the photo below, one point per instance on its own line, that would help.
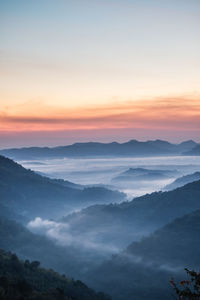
(133, 259)
(101, 171)
(60, 233)
(110, 244)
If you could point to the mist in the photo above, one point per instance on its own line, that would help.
(101, 171)
(93, 232)
(61, 234)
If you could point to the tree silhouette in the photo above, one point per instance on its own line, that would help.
(188, 289)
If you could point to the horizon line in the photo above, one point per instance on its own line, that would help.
(105, 143)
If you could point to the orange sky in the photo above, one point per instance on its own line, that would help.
(163, 113)
(107, 70)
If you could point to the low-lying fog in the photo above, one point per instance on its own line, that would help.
(103, 170)
(134, 176)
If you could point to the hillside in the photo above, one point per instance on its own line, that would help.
(142, 215)
(140, 174)
(31, 194)
(194, 151)
(182, 181)
(92, 149)
(144, 269)
(16, 238)
(27, 280)
(177, 244)
(69, 258)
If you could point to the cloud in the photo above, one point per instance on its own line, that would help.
(35, 123)
(60, 233)
(88, 243)
(145, 262)
(163, 113)
(41, 225)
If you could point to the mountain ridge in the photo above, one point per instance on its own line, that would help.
(181, 181)
(143, 270)
(88, 149)
(143, 214)
(31, 194)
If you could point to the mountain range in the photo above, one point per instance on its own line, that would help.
(93, 149)
(30, 194)
(130, 221)
(159, 233)
(140, 174)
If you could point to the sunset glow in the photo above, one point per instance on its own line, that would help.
(98, 70)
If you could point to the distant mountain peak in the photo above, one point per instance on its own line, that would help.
(133, 148)
(190, 142)
(133, 141)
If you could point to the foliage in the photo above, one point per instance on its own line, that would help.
(143, 270)
(27, 280)
(188, 289)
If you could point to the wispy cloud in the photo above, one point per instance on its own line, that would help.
(163, 113)
(61, 234)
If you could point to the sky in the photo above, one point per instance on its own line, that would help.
(98, 70)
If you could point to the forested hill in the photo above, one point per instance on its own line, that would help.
(27, 280)
(143, 271)
(172, 244)
(182, 181)
(30, 194)
(141, 216)
(68, 259)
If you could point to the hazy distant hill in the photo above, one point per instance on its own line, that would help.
(194, 151)
(144, 269)
(27, 280)
(129, 221)
(31, 194)
(139, 174)
(182, 181)
(186, 146)
(131, 148)
(177, 244)
(70, 259)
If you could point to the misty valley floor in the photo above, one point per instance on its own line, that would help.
(95, 171)
(73, 215)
